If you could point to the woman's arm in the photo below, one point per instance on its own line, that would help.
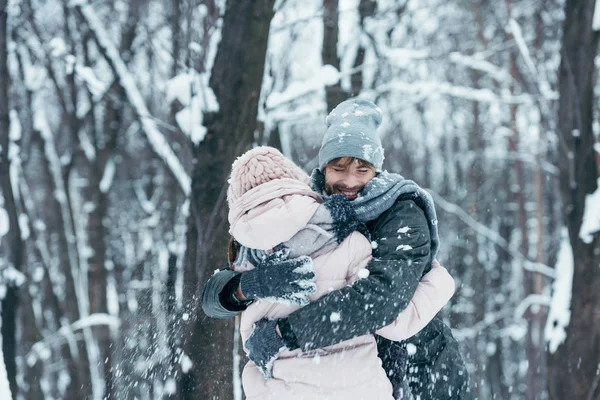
(433, 292)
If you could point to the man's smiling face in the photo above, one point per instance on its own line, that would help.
(347, 176)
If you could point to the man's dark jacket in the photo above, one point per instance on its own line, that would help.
(401, 256)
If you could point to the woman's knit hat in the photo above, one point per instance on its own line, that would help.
(260, 165)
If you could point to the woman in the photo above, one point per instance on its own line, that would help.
(271, 204)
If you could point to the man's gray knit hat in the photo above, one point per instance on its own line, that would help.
(352, 132)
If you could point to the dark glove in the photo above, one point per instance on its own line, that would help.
(280, 280)
(264, 345)
(345, 220)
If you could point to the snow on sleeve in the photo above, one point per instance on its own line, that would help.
(560, 305)
(590, 225)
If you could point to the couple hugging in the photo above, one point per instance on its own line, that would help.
(334, 274)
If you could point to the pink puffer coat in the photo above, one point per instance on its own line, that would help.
(272, 213)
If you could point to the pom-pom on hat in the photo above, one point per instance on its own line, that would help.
(260, 165)
(352, 132)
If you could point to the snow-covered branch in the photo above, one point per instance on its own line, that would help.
(65, 332)
(486, 232)
(445, 88)
(479, 64)
(127, 82)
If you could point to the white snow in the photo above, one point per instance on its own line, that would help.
(13, 277)
(95, 85)
(335, 317)
(186, 363)
(596, 20)
(180, 87)
(403, 57)
(108, 176)
(590, 225)
(194, 92)
(404, 229)
(427, 88)
(327, 75)
(97, 319)
(237, 376)
(14, 131)
(404, 247)
(155, 137)
(560, 307)
(515, 29)
(58, 48)
(480, 64)
(24, 226)
(363, 273)
(4, 222)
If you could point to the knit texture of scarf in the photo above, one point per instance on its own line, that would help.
(381, 193)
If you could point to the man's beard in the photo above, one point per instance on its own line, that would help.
(338, 189)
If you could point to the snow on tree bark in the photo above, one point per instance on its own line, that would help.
(573, 368)
(230, 131)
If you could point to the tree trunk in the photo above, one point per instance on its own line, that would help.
(334, 93)
(236, 80)
(573, 368)
(11, 244)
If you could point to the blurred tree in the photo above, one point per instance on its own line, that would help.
(574, 368)
(11, 244)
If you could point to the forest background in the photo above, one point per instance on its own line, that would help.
(119, 121)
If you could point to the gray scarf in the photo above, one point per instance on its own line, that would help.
(381, 193)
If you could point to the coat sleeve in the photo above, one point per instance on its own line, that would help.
(399, 259)
(433, 292)
(215, 292)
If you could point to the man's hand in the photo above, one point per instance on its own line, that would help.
(280, 280)
(264, 346)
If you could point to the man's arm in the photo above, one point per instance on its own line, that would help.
(433, 292)
(402, 253)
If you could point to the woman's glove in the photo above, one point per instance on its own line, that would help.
(279, 279)
(264, 345)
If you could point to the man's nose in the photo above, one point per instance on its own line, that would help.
(351, 182)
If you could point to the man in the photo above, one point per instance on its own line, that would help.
(401, 220)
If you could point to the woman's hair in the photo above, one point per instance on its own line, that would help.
(232, 251)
